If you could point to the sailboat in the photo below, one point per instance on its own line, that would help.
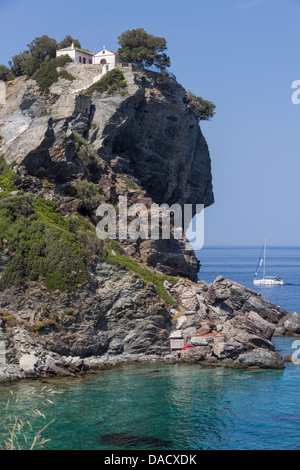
(266, 280)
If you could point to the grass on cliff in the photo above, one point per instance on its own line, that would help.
(43, 244)
(115, 256)
(112, 82)
(7, 177)
(129, 183)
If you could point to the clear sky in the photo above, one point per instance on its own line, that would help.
(241, 54)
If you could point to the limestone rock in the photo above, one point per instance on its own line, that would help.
(261, 358)
(199, 341)
(228, 349)
(28, 362)
(185, 296)
(291, 323)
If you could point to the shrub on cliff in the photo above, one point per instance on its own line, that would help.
(41, 244)
(89, 196)
(7, 177)
(47, 74)
(204, 110)
(89, 157)
(112, 82)
(141, 48)
(6, 74)
(25, 64)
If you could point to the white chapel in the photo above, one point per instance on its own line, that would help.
(81, 56)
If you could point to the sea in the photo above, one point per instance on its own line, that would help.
(179, 407)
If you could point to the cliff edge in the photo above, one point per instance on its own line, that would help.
(70, 302)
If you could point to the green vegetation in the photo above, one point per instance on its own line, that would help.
(204, 110)
(80, 140)
(40, 53)
(112, 82)
(6, 74)
(90, 196)
(7, 177)
(66, 75)
(47, 74)
(148, 276)
(39, 326)
(141, 48)
(42, 243)
(88, 156)
(9, 320)
(42, 47)
(129, 183)
(67, 42)
(40, 50)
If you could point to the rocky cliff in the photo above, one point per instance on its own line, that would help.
(69, 303)
(147, 135)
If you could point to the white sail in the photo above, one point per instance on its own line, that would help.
(266, 280)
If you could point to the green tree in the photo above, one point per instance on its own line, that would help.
(141, 48)
(204, 110)
(42, 47)
(6, 74)
(67, 42)
(25, 64)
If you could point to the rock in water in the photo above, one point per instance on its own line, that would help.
(261, 358)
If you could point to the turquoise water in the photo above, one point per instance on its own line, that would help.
(182, 407)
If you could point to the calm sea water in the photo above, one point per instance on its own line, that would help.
(184, 407)
(239, 264)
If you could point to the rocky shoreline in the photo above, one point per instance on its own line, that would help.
(227, 325)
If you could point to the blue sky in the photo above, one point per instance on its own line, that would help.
(240, 54)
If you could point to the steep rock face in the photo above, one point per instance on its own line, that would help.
(114, 314)
(154, 131)
(147, 134)
(150, 127)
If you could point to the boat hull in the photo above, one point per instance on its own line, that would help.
(268, 282)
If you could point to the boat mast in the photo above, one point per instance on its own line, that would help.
(265, 258)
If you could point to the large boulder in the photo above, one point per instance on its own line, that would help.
(262, 359)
